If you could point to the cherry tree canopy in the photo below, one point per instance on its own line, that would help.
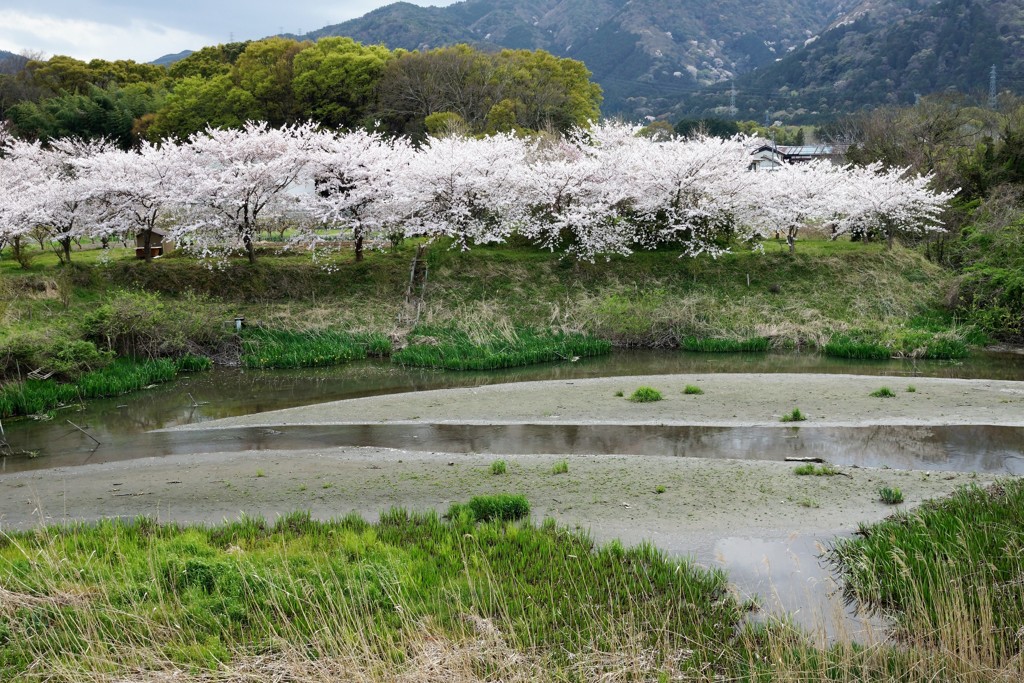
(596, 192)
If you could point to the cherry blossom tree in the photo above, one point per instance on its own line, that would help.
(891, 201)
(47, 190)
(228, 180)
(577, 190)
(356, 177)
(133, 190)
(787, 198)
(695, 192)
(464, 188)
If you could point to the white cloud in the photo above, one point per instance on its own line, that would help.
(136, 39)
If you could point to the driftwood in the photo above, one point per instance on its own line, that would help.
(796, 459)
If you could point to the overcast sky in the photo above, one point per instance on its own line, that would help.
(145, 30)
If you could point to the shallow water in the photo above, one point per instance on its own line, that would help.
(117, 424)
(962, 448)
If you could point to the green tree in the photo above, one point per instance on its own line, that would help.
(109, 112)
(719, 128)
(197, 102)
(215, 60)
(265, 71)
(335, 80)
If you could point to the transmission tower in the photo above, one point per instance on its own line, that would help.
(732, 100)
(992, 88)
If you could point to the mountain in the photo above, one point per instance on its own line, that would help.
(885, 52)
(11, 63)
(645, 54)
(167, 60)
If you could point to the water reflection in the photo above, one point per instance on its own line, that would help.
(966, 448)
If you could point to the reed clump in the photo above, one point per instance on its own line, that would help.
(265, 348)
(950, 574)
(451, 348)
(120, 377)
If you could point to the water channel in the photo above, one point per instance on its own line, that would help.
(120, 424)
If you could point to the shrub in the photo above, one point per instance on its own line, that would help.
(645, 395)
(145, 324)
(890, 496)
(794, 416)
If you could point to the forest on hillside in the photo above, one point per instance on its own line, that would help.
(335, 82)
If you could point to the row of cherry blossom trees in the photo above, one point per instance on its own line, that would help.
(596, 192)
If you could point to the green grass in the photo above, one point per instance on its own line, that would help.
(499, 467)
(659, 489)
(120, 377)
(193, 363)
(450, 348)
(911, 389)
(883, 392)
(810, 469)
(719, 345)
(262, 348)
(560, 467)
(645, 395)
(897, 342)
(890, 496)
(692, 390)
(948, 572)
(501, 507)
(794, 416)
(119, 599)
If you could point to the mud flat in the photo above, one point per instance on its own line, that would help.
(728, 400)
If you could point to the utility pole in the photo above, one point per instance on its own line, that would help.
(992, 101)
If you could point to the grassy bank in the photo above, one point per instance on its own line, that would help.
(451, 348)
(502, 600)
(485, 308)
(418, 597)
(652, 299)
(950, 574)
(262, 348)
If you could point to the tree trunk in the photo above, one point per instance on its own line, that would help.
(147, 242)
(250, 248)
(21, 253)
(65, 245)
(791, 241)
(359, 248)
